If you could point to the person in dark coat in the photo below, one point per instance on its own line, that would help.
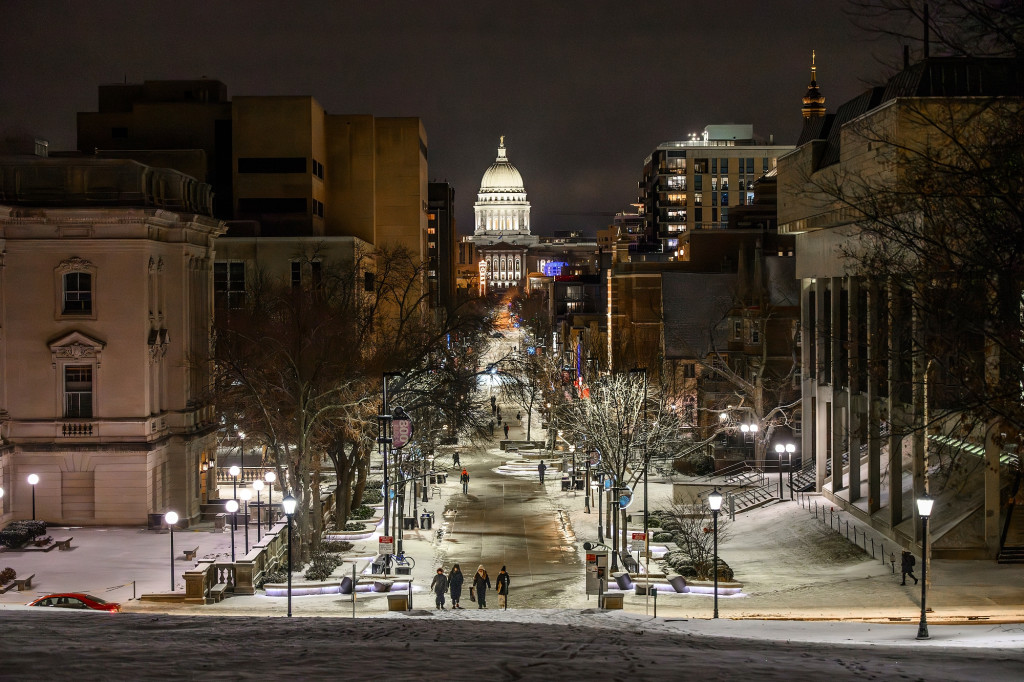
(907, 562)
(455, 579)
(481, 583)
(541, 468)
(440, 585)
(501, 584)
(506, 431)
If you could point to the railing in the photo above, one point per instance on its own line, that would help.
(76, 429)
(247, 475)
(860, 537)
(243, 575)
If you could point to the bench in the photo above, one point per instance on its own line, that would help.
(218, 590)
(190, 554)
(63, 545)
(24, 583)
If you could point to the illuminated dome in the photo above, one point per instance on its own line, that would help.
(502, 176)
(501, 210)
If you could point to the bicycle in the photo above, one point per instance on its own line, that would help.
(402, 560)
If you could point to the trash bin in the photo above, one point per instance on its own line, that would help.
(398, 602)
(612, 601)
(565, 483)
(426, 521)
(409, 524)
(404, 570)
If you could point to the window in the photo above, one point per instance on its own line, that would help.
(689, 370)
(714, 166)
(750, 165)
(316, 271)
(263, 164)
(229, 284)
(78, 391)
(698, 182)
(764, 165)
(724, 166)
(755, 331)
(698, 199)
(318, 208)
(725, 214)
(737, 330)
(714, 198)
(296, 274)
(367, 281)
(714, 184)
(700, 166)
(77, 294)
(725, 199)
(318, 169)
(725, 183)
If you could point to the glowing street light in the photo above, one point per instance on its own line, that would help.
(32, 480)
(232, 507)
(257, 485)
(924, 510)
(270, 477)
(288, 504)
(715, 502)
(171, 518)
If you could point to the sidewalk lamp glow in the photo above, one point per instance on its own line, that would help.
(171, 518)
(288, 504)
(924, 510)
(232, 507)
(715, 503)
(722, 416)
(32, 480)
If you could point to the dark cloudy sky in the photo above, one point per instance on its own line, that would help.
(583, 91)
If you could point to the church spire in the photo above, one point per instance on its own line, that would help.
(814, 101)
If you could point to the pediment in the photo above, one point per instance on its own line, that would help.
(76, 345)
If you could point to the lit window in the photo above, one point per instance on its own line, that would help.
(77, 391)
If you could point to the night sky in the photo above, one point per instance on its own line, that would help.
(583, 91)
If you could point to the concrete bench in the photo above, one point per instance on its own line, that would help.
(63, 545)
(612, 601)
(218, 591)
(190, 554)
(24, 583)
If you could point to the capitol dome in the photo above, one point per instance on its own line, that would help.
(502, 176)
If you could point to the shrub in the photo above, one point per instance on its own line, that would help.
(372, 496)
(663, 537)
(336, 546)
(321, 565)
(354, 526)
(274, 577)
(7, 575)
(361, 512)
(653, 522)
(17, 533)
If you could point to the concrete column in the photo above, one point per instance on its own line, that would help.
(875, 346)
(839, 400)
(856, 399)
(807, 382)
(896, 412)
(823, 407)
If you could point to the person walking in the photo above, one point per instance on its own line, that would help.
(499, 414)
(541, 468)
(440, 586)
(501, 584)
(506, 431)
(455, 579)
(455, 460)
(519, 418)
(491, 426)
(481, 583)
(907, 562)
(464, 478)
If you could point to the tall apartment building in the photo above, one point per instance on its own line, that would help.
(691, 184)
(441, 245)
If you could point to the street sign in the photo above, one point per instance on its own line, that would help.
(595, 457)
(607, 484)
(386, 545)
(639, 542)
(401, 430)
(625, 497)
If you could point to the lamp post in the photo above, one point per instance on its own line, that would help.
(288, 504)
(779, 450)
(241, 453)
(715, 502)
(600, 506)
(234, 471)
(246, 495)
(270, 477)
(171, 518)
(257, 485)
(232, 507)
(32, 480)
(790, 449)
(924, 510)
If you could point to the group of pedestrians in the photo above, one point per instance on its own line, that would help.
(452, 583)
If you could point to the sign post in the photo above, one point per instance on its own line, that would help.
(640, 545)
(386, 547)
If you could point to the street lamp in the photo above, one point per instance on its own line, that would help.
(171, 518)
(32, 480)
(288, 504)
(270, 477)
(779, 450)
(715, 502)
(241, 453)
(234, 471)
(232, 507)
(246, 495)
(924, 510)
(257, 485)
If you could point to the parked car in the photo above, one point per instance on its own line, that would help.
(76, 600)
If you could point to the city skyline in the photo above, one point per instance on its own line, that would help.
(581, 99)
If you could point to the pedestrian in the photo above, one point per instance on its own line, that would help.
(499, 414)
(501, 585)
(506, 431)
(455, 460)
(907, 562)
(440, 586)
(519, 418)
(464, 478)
(492, 427)
(455, 579)
(481, 583)
(541, 468)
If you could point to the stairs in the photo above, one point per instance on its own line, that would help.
(1013, 547)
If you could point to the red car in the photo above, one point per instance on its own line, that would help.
(76, 600)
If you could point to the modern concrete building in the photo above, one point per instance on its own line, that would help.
(863, 383)
(106, 309)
